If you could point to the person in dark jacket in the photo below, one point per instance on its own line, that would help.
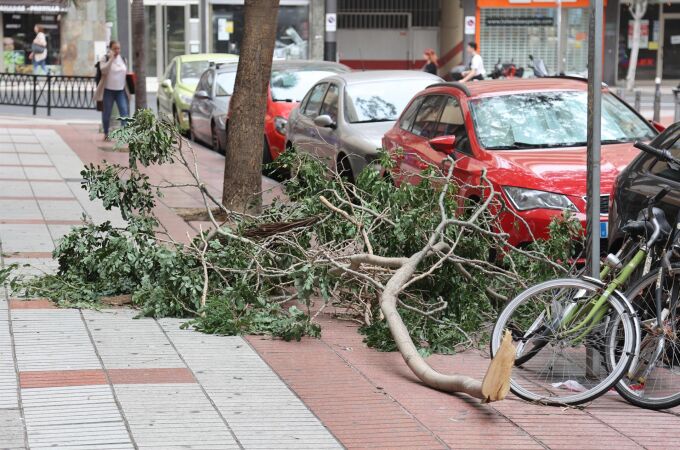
(431, 62)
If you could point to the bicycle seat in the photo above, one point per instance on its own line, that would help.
(644, 227)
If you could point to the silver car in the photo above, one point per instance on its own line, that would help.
(343, 118)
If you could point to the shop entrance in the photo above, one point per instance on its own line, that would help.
(671, 47)
(172, 30)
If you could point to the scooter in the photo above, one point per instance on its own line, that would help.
(506, 70)
(538, 67)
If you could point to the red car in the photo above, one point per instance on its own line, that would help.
(530, 136)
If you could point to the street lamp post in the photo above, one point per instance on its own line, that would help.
(594, 119)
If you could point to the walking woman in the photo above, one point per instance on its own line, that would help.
(112, 86)
(39, 50)
(431, 62)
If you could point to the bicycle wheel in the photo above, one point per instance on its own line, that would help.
(558, 363)
(653, 380)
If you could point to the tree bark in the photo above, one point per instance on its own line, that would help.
(637, 10)
(138, 52)
(245, 131)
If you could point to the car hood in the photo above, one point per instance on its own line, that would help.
(369, 135)
(282, 109)
(561, 170)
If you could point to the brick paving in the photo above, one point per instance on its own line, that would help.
(102, 379)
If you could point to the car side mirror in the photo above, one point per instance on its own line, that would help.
(324, 121)
(657, 126)
(201, 95)
(167, 84)
(444, 144)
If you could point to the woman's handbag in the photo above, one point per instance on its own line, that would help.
(130, 81)
(37, 48)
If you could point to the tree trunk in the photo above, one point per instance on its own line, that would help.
(637, 10)
(138, 52)
(243, 161)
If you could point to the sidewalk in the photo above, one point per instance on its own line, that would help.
(103, 380)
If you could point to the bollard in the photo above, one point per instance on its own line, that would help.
(620, 93)
(638, 100)
(676, 96)
(657, 100)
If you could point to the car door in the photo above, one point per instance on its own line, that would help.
(200, 109)
(165, 89)
(306, 138)
(327, 146)
(418, 154)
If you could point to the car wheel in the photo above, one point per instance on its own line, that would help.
(215, 139)
(192, 136)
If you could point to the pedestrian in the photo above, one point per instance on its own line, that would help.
(112, 86)
(39, 50)
(476, 71)
(431, 62)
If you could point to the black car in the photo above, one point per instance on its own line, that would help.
(641, 179)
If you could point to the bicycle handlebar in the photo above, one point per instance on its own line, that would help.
(663, 155)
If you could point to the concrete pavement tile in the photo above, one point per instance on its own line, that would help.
(9, 158)
(12, 173)
(33, 266)
(24, 138)
(8, 378)
(61, 210)
(28, 158)
(42, 173)
(19, 209)
(28, 148)
(11, 429)
(59, 231)
(15, 188)
(172, 415)
(52, 189)
(25, 238)
(54, 416)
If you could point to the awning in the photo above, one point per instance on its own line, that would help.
(33, 6)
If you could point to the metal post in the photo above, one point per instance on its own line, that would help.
(638, 100)
(203, 14)
(621, 93)
(657, 100)
(49, 95)
(558, 19)
(35, 94)
(330, 46)
(676, 95)
(594, 123)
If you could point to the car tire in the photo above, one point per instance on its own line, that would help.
(215, 139)
(192, 136)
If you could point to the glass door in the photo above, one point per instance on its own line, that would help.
(175, 31)
(671, 48)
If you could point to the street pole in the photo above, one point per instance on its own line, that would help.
(203, 14)
(558, 19)
(330, 46)
(594, 122)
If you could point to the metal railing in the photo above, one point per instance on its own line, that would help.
(47, 91)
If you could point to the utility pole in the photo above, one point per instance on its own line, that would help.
(330, 46)
(594, 129)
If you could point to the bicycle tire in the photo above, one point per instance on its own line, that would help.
(636, 397)
(612, 371)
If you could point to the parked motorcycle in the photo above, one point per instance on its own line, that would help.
(538, 66)
(506, 70)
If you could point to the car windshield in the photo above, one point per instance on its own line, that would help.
(292, 85)
(224, 84)
(380, 100)
(551, 119)
(191, 71)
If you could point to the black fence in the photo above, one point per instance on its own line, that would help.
(47, 91)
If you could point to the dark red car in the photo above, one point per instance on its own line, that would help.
(529, 135)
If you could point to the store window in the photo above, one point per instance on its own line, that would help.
(512, 34)
(292, 32)
(18, 35)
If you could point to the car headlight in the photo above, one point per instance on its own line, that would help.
(526, 199)
(186, 98)
(280, 124)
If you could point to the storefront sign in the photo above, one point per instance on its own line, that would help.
(644, 33)
(33, 6)
(223, 27)
(470, 24)
(675, 40)
(331, 22)
(499, 21)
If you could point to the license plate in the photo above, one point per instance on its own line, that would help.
(604, 229)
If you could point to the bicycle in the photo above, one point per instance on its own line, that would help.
(653, 380)
(577, 337)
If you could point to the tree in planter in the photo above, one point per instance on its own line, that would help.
(243, 159)
(138, 52)
(638, 9)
